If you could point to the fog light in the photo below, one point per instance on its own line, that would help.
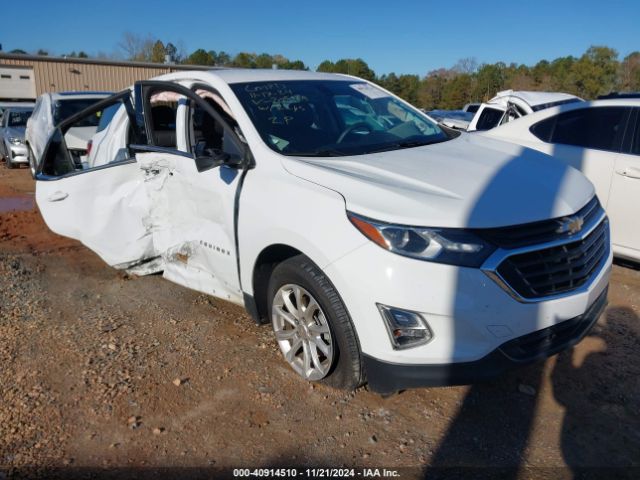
(406, 329)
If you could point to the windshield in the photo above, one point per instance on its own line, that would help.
(18, 118)
(64, 109)
(333, 118)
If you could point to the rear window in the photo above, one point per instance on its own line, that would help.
(63, 109)
(597, 128)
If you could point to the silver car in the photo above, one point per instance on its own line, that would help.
(12, 130)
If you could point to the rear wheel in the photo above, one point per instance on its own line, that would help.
(312, 326)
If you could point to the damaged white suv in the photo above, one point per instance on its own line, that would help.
(381, 248)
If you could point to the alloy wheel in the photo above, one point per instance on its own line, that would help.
(302, 331)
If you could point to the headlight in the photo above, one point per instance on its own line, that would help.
(15, 140)
(442, 245)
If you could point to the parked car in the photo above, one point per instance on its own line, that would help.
(602, 139)
(52, 108)
(509, 105)
(12, 125)
(388, 250)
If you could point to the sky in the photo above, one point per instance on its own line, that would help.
(391, 36)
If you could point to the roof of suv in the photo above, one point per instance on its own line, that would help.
(533, 98)
(239, 75)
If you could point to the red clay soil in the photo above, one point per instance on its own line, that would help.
(110, 375)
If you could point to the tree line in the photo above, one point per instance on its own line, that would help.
(597, 71)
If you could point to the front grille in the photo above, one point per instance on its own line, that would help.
(538, 232)
(555, 270)
(550, 340)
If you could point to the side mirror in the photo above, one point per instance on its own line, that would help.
(207, 162)
(207, 158)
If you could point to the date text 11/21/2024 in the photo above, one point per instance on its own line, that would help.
(316, 473)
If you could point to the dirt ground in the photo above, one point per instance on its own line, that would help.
(102, 374)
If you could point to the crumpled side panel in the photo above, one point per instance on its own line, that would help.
(185, 220)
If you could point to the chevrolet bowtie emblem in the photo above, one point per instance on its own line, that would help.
(571, 225)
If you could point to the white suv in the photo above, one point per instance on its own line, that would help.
(380, 247)
(50, 110)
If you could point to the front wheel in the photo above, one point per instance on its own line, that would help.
(312, 326)
(32, 162)
(10, 163)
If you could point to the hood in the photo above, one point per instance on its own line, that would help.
(470, 181)
(15, 132)
(77, 137)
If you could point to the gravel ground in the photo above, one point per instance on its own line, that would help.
(103, 374)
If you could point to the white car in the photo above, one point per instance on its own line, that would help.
(602, 139)
(380, 247)
(12, 125)
(52, 108)
(509, 105)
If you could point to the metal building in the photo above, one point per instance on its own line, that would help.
(24, 77)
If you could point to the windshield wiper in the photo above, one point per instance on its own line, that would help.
(405, 144)
(327, 152)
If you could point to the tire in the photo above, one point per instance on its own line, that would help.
(32, 162)
(10, 164)
(344, 370)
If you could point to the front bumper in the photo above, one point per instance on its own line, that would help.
(386, 377)
(469, 314)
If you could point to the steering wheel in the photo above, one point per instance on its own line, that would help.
(353, 128)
